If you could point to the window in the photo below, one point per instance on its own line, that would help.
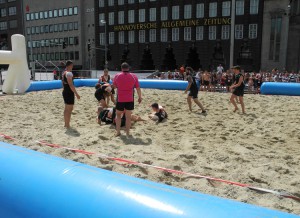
(111, 20)
(102, 38)
(225, 32)
(55, 13)
(101, 17)
(120, 2)
(50, 14)
(31, 16)
(3, 25)
(101, 4)
(239, 30)
(226, 9)
(51, 28)
(62, 56)
(200, 10)
(71, 57)
(187, 34)
(152, 37)
(42, 29)
(199, 33)
(46, 28)
(75, 10)
(152, 14)
(76, 40)
(32, 30)
(45, 14)
(41, 15)
(61, 27)
(142, 15)
(239, 7)
(110, 2)
(60, 12)
(111, 38)
(187, 11)
(12, 11)
(121, 37)
(131, 37)
(141, 0)
(37, 30)
(275, 38)
(130, 1)
(3, 12)
(142, 36)
(121, 17)
(131, 16)
(76, 55)
(175, 34)
(164, 13)
(71, 26)
(28, 30)
(27, 15)
(252, 31)
(65, 11)
(55, 27)
(75, 25)
(36, 16)
(254, 6)
(164, 35)
(175, 12)
(71, 40)
(66, 27)
(212, 32)
(213, 8)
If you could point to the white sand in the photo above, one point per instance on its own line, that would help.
(260, 148)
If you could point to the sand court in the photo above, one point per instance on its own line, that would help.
(260, 148)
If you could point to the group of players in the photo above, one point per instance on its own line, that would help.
(125, 83)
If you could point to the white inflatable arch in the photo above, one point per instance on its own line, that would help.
(18, 74)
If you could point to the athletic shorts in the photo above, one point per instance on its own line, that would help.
(193, 94)
(206, 83)
(69, 98)
(239, 92)
(125, 105)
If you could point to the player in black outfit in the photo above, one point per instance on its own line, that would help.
(103, 91)
(238, 87)
(193, 90)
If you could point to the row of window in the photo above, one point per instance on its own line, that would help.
(4, 1)
(55, 56)
(12, 24)
(226, 9)
(199, 34)
(120, 2)
(52, 28)
(53, 42)
(11, 11)
(52, 13)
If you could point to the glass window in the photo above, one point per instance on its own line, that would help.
(70, 11)
(187, 11)
(51, 28)
(142, 15)
(199, 32)
(37, 30)
(67, 54)
(175, 12)
(62, 56)
(12, 11)
(71, 26)
(226, 9)
(254, 4)
(131, 37)
(121, 17)
(164, 35)
(65, 11)
(61, 27)
(152, 37)
(111, 38)
(31, 16)
(212, 32)
(3, 12)
(28, 30)
(142, 36)
(200, 10)
(252, 31)
(239, 31)
(55, 13)
(45, 14)
(111, 18)
(56, 56)
(213, 9)
(41, 15)
(66, 27)
(101, 17)
(41, 29)
(75, 10)
(71, 40)
(175, 34)
(152, 14)
(121, 37)
(239, 7)
(75, 25)
(50, 14)
(110, 2)
(225, 32)
(60, 12)
(36, 16)
(55, 27)
(102, 38)
(101, 4)
(32, 30)
(13, 24)
(131, 1)
(275, 38)
(141, 1)
(27, 15)
(131, 16)
(187, 34)
(120, 2)
(164, 13)
(46, 28)
(76, 55)
(71, 57)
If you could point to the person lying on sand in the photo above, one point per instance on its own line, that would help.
(159, 113)
(102, 92)
(108, 116)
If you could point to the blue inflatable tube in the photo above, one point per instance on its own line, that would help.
(34, 184)
(275, 88)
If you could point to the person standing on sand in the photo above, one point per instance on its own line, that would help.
(69, 92)
(193, 88)
(238, 87)
(125, 83)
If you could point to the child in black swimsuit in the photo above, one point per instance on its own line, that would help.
(159, 113)
(238, 87)
(103, 91)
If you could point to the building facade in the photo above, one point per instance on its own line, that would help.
(11, 22)
(152, 34)
(59, 30)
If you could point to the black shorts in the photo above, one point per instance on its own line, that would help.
(69, 97)
(125, 105)
(193, 94)
(206, 83)
(239, 92)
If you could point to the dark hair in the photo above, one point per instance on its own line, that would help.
(68, 63)
(124, 66)
(97, 86)
(155, 105)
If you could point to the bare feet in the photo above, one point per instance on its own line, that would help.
(235, 110)
(117, 134)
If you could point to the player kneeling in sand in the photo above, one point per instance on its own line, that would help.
(159, 113)
(102, 92)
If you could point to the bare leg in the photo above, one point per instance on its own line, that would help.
(136, 118)
(102, 103)
(107, 100)
(67, 115)
(196, 100)
(128, 121)
(242, 104)
(189, 101)
(118, 122)
(232, 100)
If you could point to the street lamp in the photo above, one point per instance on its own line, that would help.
(105, 41)
(232, 34)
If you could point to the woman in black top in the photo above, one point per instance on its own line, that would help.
(238, 87)
(69, 92)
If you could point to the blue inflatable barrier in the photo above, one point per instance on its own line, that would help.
(275, 88)
(34, 184)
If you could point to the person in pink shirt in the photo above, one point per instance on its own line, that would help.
(125, 82)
